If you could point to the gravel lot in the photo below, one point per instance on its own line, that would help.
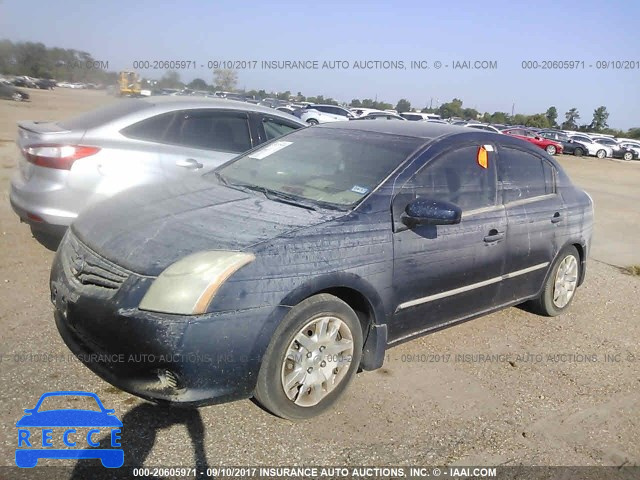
(565, 391)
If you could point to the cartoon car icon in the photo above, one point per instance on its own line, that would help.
(69, 419)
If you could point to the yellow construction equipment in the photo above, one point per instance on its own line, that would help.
(129, 83)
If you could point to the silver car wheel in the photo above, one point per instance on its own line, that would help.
(628, 156)
(566, 281)
(17, 97)
(551, 149)
(317, 360)
(601, 154)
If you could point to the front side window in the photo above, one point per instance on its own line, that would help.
(326, 166)
(524, 175)
(339, 111)
(457, 177)
(211, 130)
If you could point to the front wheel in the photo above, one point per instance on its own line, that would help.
(628, 156)
(313, 355)
(561, 284)
(551, 149)
(578, 152)
(17, 97)
(312, 121)
(601, 154)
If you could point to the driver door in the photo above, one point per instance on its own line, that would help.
(444, 273)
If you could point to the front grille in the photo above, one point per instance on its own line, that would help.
(88, 268)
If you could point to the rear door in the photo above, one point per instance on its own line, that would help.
(536, 218)
(201, 139)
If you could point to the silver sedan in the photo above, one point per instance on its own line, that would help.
(66, 166)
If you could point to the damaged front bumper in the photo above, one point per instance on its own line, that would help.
(173, 359)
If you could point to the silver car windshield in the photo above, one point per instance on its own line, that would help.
(321, 165)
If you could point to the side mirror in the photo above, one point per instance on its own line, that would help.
(427, 211)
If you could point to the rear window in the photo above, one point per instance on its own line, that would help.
(104, 115)
(524, 175)
(152, 129)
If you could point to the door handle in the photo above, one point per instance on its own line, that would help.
(189, 163)
(493, 236)
(557, 217)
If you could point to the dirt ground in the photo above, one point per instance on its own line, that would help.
(558, 391)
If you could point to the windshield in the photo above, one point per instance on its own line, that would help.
(323, 165)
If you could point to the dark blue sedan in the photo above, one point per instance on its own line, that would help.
(283, 272)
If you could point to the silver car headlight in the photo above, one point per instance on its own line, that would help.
(188, 286)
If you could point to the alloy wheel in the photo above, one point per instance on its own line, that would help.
(566, 281)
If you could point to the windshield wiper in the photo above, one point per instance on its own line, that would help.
(285, 198)
(221, 178)
(278, 196)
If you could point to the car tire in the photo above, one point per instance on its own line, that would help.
(312, 121)
(551, 149)
(601, 154)
(17, 97)
(561, 284)
(628, 156)
(315, 321)
(578, 152)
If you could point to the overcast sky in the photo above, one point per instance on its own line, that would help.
(504, 31)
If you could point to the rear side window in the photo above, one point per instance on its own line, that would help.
(456, 177)
(275, 129)
(104, 115)
(524, 175)
(211, 130)
(152, 129)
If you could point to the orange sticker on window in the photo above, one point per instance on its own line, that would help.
(483, 157)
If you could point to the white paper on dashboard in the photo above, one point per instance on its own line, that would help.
(269, 149)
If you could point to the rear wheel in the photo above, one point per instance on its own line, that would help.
(313, 355)
(578, 152)
(601, 154)
(312, 121)
(551, 149)
(560, 287)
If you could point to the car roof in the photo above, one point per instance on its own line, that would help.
(426, 130)
(326, 105)
(178, 101)
(124, 112)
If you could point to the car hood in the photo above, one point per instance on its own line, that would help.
(147, 229)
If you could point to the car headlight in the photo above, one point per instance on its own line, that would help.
(188, 286)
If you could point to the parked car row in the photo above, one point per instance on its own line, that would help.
(30, 82)
(9, 92)
(45, 83)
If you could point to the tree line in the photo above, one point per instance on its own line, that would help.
(63, 64)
